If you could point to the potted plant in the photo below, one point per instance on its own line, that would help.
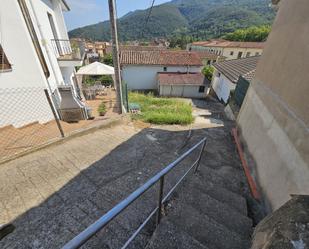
(102, 109)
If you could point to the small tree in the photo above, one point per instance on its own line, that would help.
(208, 72)
(102, 109)
(108, 60)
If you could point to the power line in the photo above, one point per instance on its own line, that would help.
(148, 17)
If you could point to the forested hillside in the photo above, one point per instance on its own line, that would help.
(200, 19)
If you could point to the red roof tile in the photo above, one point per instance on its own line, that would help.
(164, 58)
(181, 79)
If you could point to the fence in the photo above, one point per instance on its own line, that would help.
(27, 120)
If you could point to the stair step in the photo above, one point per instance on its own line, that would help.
(218, 211)
(169, 236)
(204, 229)
(230, 182)
(223, 195)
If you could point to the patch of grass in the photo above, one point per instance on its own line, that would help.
(158, 110)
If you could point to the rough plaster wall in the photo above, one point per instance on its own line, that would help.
(285, 61)
(281, 170)
(274, 117)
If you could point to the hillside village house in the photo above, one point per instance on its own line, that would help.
(150, 70)
(97, 47)
(229, 49)
(37, 54)
(209, 58)
(227, 74)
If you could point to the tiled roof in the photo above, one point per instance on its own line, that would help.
(208, 55)
(181, 79)
(232, 69)
(250, 75)
(109, 48)
(166, 58)
(143, 48)
(229, 44)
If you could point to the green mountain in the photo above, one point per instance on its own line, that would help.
(203, 19)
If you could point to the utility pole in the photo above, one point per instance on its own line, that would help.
(112, 15)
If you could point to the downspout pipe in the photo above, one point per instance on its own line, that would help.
(44, 43)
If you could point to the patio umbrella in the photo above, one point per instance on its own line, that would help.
(96, 68)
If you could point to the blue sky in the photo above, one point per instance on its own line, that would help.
(84, 12)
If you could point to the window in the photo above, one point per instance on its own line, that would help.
(164, 69)
(257, 53)
(232, 53)
(239, 55)
(201, 89)
(208, 62)
(248, 54)
(4, 63)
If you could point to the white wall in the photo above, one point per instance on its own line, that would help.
(252, 51)
(42, 8)
(142, 77)
(222, 86)
(17, 45)
(27, 73)
(227, 51)
(186, 91)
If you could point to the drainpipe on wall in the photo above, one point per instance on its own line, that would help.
(45, 45)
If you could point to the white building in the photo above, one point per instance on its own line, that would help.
(140, 69)
(227, 73)
(229, 49)
(38, 54)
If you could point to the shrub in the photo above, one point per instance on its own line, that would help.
(102, 108)
(208, 72)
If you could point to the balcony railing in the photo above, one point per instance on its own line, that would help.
(64, 50)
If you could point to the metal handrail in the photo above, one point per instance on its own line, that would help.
(89, 232)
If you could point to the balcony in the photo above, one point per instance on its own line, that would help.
(67, 53)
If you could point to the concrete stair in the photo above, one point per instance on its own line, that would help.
(204, 215)
(209, 209)
(170, 236)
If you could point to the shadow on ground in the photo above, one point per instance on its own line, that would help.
(103, 184)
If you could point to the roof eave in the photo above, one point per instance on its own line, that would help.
(168, 65)
(65, 6)
(184, 84)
